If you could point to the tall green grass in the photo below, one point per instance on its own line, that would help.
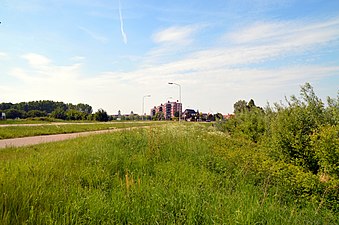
(26, 131)
(177, 174)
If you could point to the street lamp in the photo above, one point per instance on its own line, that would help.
(143, 105)
(179, 97)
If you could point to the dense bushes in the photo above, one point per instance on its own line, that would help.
(300, 140)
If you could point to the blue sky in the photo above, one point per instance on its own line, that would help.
(111, 53)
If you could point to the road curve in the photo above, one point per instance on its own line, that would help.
(25, 141)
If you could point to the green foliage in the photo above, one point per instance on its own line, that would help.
(300, 142)
(15, 113)
(250, 124)
(74, 114)
(36, 113)
(176, 174)
(47, 129)
(293, 126)
(159, 116)
(101, 115)
(56, 109)
(326, 146)
(332, 111)
(59, 114)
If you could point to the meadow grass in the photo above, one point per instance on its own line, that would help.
(174, 174)
(46, 129)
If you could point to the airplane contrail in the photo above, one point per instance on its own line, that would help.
(124, 36)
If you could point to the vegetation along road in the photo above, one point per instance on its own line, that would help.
(25, 141)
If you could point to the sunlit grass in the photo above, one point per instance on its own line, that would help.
(25, 131)
(176, 174)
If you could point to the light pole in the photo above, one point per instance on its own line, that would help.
(143, 105)
(179, 97)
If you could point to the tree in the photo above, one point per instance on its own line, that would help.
(36, 113)
(101, 115)
(59, 113)
(74, 115)
(240, 106)
(14, 113)
(159, 116)
(85, 108)
(218, 117)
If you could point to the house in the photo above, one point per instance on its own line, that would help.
(3, 116)
(189, 114)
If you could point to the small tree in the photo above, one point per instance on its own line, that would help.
(14, 113)
(59, 113)
(36, 113)
(101, 115)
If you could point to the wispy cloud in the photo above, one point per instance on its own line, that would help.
(94, 35)
(175, 34)
(124, 36)
(36, 60)
(3, 55)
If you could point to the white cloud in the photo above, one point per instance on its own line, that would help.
(175, 34)
(36, 60)
(293, 32)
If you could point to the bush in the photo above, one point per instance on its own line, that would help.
(248, 123)
(36, 113)
(293, 126)
(326, 146)
(101, 115)
(15, 113)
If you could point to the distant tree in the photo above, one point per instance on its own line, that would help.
(74, 115)
(210, 117)
(159, 116)
(101, 115)
(5, 106)
(59, 113)
(218, 117)
(240, 106)
(85, 108)
(251, 104)
(36, 113)
(14, 113)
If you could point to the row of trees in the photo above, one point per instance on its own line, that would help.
(57, 110)
(46, 106)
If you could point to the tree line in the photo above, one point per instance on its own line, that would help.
(52, 109)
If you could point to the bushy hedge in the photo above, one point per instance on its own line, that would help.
(297, 144)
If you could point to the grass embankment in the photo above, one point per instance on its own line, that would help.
(177, 174)
(46, 129)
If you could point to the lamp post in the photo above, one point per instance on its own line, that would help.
(143, 105)
(179, 97)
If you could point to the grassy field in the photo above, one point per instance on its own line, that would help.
(174, 174)
(45, 129)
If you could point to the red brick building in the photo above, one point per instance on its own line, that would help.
(169, 109)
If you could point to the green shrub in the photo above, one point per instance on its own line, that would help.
(326, 146)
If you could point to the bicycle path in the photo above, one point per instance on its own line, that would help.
(26, 141)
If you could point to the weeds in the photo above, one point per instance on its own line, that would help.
(176, 174)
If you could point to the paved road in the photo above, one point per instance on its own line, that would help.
(17, 142)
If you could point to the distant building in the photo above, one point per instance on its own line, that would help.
(3, 116)
(189, 114)
(169, 109)
(228, 116)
